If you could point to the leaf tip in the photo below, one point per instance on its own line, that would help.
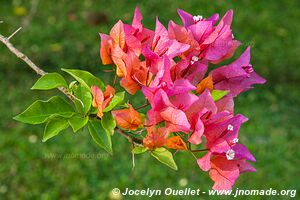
(17, 118)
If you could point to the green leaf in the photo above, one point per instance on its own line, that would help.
(218, 94)
(165, 157)
(108, 123)
(116, 100)
(40, 111)
(139, 150)
(84, 101)
(50, 81)
(78, 122)
(99, 135)
(93, 110)
(54, 127)
(73, 85)
(85, 78)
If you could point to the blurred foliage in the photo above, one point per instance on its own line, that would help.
(60, 34)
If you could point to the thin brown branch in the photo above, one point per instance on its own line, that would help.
(115, 80)
(33, 66)
(189, 145)
(14, 33)
(135, 141)
(199, 150)
(194, 155)
(108, 70)
(69, 94)
(175, 152)
(142, 106)
(132, 155)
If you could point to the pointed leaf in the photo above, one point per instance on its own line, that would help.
(218, 94)
(165, 157)
(54, 127)
(85, 78)
(139, 150)
(84, 101)
(99, 135)
(78, 122)
(50, 81)
(108, 123)
(116, 100)
(40, 111)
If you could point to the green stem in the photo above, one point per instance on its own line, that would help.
(199, 150)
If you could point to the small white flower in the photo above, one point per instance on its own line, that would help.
(232, 35)
(197, 18)
(163, 84)
(230, 127)
(194, 59)
(235, 140)
(230, 154)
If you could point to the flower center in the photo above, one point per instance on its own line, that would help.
(235, 140)
(197, 18)
(194, 59)
(248, 69)
(163, 84)
(230, 154)
(230, 127)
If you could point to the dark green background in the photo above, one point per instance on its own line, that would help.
(65, 34)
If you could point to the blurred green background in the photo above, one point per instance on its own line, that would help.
(60, 34)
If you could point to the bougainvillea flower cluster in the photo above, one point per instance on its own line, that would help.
(191, 101)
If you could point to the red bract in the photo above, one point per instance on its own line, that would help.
(128, 118)
(160, 137)
(100, 99)
(170, 66)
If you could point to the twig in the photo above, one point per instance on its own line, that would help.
(135, 141)
(193, 155)
(182, 137)
(199, 150)
(175, 152)
(115, 80)
(189, 145)
(132, 154)
(108, 70)
(23, 57)
(14, 33)
(69, 94)
(142, 106)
